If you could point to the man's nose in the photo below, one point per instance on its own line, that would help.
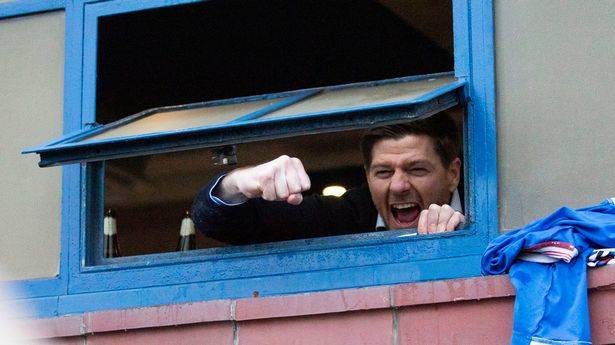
(400, 183)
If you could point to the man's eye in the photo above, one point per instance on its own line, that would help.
(382, 173)
(419, 171)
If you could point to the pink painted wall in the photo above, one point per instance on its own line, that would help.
(462, 311)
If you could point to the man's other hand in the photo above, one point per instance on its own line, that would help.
(438, 219)
(282, 179)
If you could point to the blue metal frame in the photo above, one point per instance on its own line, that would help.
(293, 267)
(25, 7)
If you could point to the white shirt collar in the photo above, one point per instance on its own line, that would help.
(455, 204)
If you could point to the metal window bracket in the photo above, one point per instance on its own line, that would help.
(225, 155)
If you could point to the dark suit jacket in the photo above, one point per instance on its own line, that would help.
(259, 221)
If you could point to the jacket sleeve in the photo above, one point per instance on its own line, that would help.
(260, 221)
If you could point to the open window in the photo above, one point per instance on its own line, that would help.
(165, 88)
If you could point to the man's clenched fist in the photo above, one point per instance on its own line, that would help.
(282, 179)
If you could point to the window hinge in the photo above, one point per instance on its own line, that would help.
(90, 125)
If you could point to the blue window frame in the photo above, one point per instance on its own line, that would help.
(286, 267)
(26, 7)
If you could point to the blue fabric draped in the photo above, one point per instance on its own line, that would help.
(551, 303)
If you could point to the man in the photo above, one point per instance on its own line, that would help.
(412, 170)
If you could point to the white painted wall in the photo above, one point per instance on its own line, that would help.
(555, 68)
(31, 84)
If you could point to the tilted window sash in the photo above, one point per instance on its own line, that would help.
(256, 118)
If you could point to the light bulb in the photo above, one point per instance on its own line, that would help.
(334, 191)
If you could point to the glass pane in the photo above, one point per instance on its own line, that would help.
(184, 119)
(364, 96)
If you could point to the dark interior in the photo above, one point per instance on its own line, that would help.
(225, 49)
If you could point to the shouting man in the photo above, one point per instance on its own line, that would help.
(412, 170)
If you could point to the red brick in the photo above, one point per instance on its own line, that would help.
(413, 294)
(494, 286)
(313, 303)
(455, 290)
(601, 306)
(602, 276)
(367, 327)
(216, 333)
(469, 322)
(64, 341)
(168, 315)
(52, 327)
(442, 291)
(202, 312)
(104, 321)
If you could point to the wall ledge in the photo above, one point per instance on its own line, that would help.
(314, 303)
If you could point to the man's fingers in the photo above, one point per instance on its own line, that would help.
(282, 179)
(295, 199)
(422, 228)
(281, 187)
(293, 180)
(268, 188)
(454, 222)
(304, 179)
(432, 218)
(437, 219)
(445, 214)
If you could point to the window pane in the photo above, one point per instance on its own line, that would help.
(184, 119)
(365, 96)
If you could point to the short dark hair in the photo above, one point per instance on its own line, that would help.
(440, 128)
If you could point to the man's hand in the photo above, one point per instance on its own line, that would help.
(438, 219)
(282, 179)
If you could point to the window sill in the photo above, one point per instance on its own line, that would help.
(335, 301)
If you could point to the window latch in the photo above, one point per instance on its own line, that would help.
(90, 125)
(225, 155)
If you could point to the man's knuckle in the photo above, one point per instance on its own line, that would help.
(295, 189)
(434, 207)
(285, 160)
(270, 170)
(266, 180)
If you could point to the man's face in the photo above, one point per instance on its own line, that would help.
(406, 176)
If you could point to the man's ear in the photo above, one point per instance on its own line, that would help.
(454, 174)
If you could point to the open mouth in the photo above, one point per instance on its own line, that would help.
(406, 214)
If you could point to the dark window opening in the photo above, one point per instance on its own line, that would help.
(225, 49)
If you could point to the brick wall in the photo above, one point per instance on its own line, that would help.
(460, 311)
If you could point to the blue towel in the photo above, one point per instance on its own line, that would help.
(551, 304)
